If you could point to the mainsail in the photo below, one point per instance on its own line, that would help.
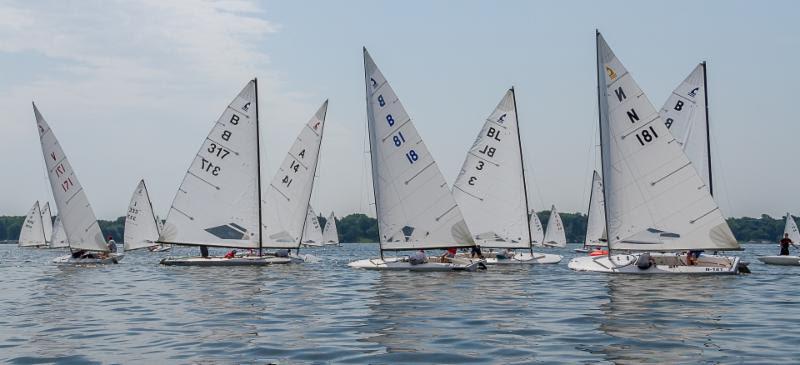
(596, 224)
(47, 221)
(77, 216)
(286, 201)
(217, 203)
(791, 229)
(686, 116)
(655, 199)
(414, 205)
(330, 234)
(537, 230)
(312, 232)
(141, 227)
(490, 189)
(59, 239)
(555, 236)
(32, 232)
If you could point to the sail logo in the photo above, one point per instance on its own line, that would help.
(502, 119)
(316, 125)
(246, 106)
(611, 73)
(694, 91)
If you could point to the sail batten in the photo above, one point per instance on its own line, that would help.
(655, 200)
(414, 205)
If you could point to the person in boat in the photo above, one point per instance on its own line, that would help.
(449, 254)
(476, 252)
(692, 256)
(112, 246)
(785, 242)
(418, 257)
(204, 252)
(231, 254)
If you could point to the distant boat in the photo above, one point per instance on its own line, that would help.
(657, 205)
(491, 191)
(32, 232)
(59, 239)
(555, 236)
(312, 232)
(596, 223)
(141, 225)
(330, 234)
(47, 222)
(791, 260)
(415, 207)
(537, 230)
(80, 225)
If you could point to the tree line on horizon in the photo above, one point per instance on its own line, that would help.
(360, 228)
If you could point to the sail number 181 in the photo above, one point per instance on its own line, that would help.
(646, 136)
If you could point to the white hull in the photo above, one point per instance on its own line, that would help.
(401, 263)
(161, 249)
(780, 260)
(68, 260)
(662, 263)
(521, 258)
(221, 261)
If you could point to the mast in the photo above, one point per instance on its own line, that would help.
(708, 130)
(151, 206)
(258, 174)
(522, 163)
(371, 158)
(313, 177)
(600, 130)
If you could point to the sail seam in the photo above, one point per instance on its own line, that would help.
(670, 174)
(203, 180)
(420, 172)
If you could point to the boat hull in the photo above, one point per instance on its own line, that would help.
(221, 261)
(582, 250)
(402, 264)
(69, 260)
(661, 264)
(522, 258)
(161, 249)
(780, 260)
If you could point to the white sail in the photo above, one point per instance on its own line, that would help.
(555, 236)
(596, 223)
(330, 234)
(655, 199)
(77, 216)
(286, 200)
(490, 188)
(32, 232)
(414, 205)
(791, 229)
(217, 203)
(312, 231)
(47, 221)
(141, 227)
(59, 239)
(537, 230)
(684, 114)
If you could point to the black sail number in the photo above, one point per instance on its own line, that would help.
(647, 135)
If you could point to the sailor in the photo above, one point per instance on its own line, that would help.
(785, 242)
(204, 252)
(112, 246)
(449, 254)
(418, 257)
(230, 254)
(476, 251)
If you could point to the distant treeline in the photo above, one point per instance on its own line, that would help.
(361, 228)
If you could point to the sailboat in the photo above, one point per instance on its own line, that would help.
(492, 194)
(790, 230)
(32, 232)
(537, 230)
(312, 232)
(555, 236)
(86, 242)
(219, 202)
(47, 222)
(657, 205)
(415, 208)
(59, 238)
(330, 234)
(141, 225)
(596, 223)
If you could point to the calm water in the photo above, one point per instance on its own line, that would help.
(325, 312)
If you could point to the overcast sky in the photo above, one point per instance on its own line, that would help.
(131, 89)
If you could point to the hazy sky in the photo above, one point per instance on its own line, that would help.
(131, 89)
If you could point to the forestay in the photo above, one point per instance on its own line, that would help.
(59, 239)
(596, 224)
(32, 232)
(685, 116)
(655, 199)
(555, 236)
(414, 205)
(490, 187)
(286, 202)
(312, 232)
(791, 229)
(77, 216)
(330, 234)
(218, 201)
(537, 230)
(141, 227)
(47, 222)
